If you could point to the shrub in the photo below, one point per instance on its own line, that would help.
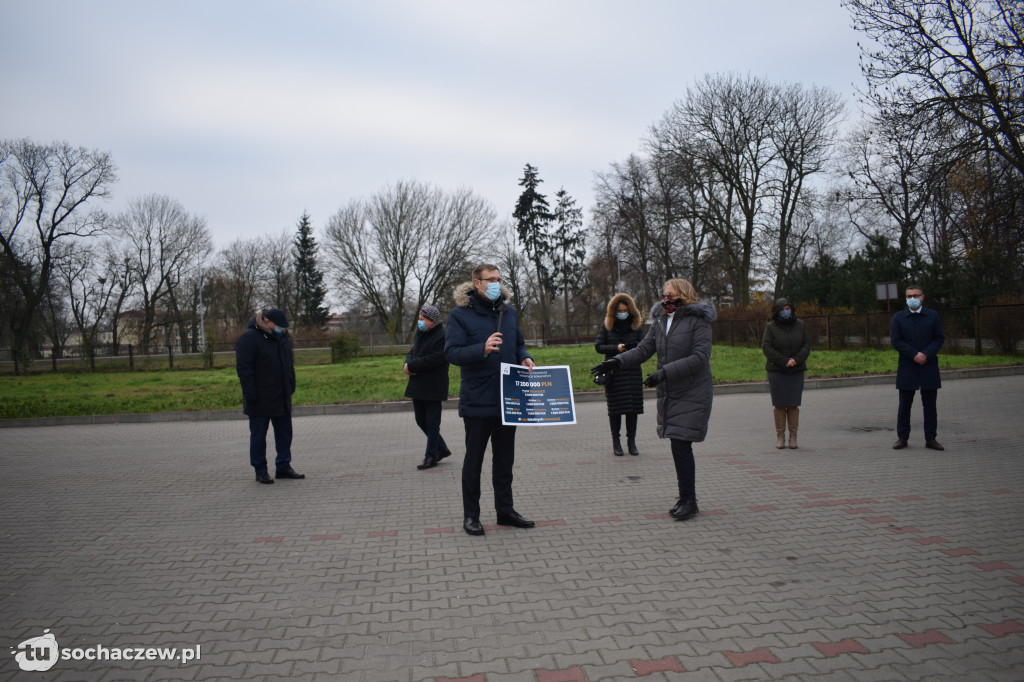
(344, 346)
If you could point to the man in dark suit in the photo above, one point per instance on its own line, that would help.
(917, 336)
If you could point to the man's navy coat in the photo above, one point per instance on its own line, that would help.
(912, 333)
(266, 371)
(470, 323)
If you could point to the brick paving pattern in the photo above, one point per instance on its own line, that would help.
(843, 560)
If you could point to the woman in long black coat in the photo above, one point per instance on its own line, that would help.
(624, 390)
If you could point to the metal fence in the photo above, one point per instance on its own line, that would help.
(980, 329)
(977, 330)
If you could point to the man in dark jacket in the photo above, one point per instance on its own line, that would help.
(916, 334)
(263, 361)
(428, 382)
(483, 332)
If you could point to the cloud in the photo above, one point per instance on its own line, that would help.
(307, 108)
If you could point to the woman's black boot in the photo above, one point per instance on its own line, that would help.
(616, 424)
(631, 434)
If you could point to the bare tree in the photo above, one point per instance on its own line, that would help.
(458, 226)
(803, 132)
(623, 219)
(44, 190)
(244, 266)
(723, 128)
(515, 266)
(56, 317)
(949, 58)
(166, 245)
(406, 243)
(282, 290)
(92, 281)
(824, 227)
(894, 164)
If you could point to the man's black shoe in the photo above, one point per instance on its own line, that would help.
(288, 473)
(442, 455)
(514, 519)
(899, 444)
(934, 445)
(685, 508)
(428, 463)
(472, 526)
(263, 477)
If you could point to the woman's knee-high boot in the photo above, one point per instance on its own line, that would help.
(780, 427)
(793, 416)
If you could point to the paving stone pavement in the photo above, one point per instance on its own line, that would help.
(842, 560)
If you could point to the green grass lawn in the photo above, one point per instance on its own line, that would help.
(368, 379)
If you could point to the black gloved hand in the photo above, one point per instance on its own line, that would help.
(654, 378)
(606, 367)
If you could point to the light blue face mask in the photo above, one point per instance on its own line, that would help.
(621, 316)
(279, 330)
(494, 290)
(422, 325)
(913, 303)
(785, 314)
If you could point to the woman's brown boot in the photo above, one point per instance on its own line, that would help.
(793, 415)
(780, 427)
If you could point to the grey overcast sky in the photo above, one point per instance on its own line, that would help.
(249, 112)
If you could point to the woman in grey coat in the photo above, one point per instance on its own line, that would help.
(680, 334)
(787, 345)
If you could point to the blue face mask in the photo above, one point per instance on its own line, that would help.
(913, 303)
(279, 330)
(621, 316)
(785, 314)
(494, 290)
(422, 325)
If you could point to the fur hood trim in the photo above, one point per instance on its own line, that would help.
(609, 318)
(463, 291)
(705, 309)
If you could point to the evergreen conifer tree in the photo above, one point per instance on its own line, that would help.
(308, 277)
(533, 217)
(569, 249)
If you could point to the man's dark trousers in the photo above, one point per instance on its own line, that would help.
(503, 448)
(428, 418)
(931, 418)
(282, 441)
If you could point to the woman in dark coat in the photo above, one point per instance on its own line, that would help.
(680, 334)
(787, 346)
(624, 390)
(427, 368)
